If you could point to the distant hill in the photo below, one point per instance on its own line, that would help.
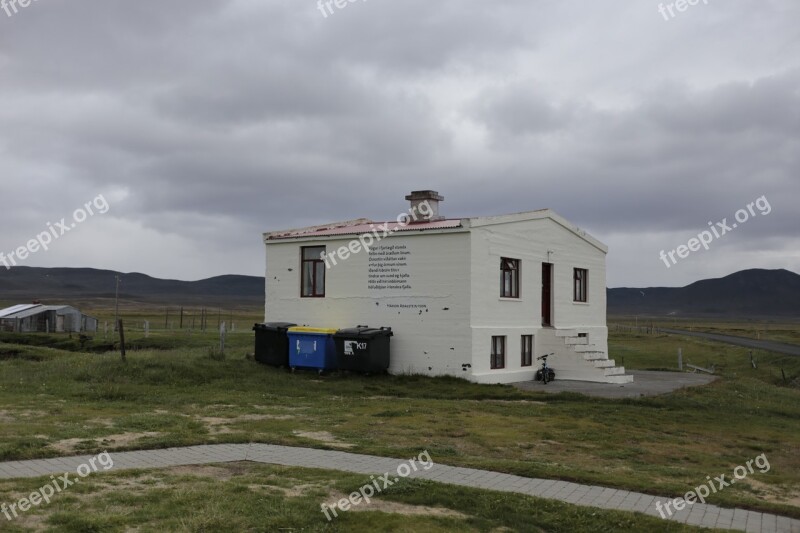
(23, 284)
(752, 293)
(746, 294)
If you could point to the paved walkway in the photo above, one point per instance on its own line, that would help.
(586, 495)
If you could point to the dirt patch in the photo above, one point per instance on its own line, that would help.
(30, 521)
(775, 494)
(13, 416)
(323, 436)
(399, 508)
(128, 485)
(68, 446)
(221, 472)
(218, 425)
(293, 492)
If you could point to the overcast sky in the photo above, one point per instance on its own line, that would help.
(207, 122)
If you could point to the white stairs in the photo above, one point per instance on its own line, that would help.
(583, 361)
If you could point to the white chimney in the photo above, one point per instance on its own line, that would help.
(425, 204)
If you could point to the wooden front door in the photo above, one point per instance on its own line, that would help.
(547, 290)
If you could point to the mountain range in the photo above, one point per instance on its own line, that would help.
(754, 293)
(23, 284)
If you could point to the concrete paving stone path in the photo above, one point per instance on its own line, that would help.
(701, 515)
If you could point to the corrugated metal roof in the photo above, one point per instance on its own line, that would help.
(16, 309)
(28, 312)
(32, 310)
(360, 229)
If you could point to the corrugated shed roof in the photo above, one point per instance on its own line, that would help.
(32, 310)
(8, 311)
(362, 228)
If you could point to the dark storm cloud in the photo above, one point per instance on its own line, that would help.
(208, 122)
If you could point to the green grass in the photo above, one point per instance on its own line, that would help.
(253, 497)
(57, 402)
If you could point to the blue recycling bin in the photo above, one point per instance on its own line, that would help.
(312, 348)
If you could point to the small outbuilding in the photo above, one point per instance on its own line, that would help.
(479, 298)
(38, 318)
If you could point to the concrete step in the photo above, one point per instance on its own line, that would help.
(575, 341)
(620, 380)
(604, 363)
(615, 371)
(587, 348)
(595, 356)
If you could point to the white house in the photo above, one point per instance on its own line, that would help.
(480, 298)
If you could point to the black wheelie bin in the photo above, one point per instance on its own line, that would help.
(272, 343)
(363, 349)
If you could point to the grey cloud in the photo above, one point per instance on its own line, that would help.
(223, 119)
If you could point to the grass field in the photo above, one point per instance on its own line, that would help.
(783, 331)
(176, 391)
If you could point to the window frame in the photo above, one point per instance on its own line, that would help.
(526, 357)
(580, 285)
(514, 273)
(498, 341)
(315, 264)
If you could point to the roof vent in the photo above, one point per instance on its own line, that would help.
(424, 206)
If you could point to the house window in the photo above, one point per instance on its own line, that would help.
(527, 350)
(509, 278)
(581, 284)
(312, 272)
(498, 352)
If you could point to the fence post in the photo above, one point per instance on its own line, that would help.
(121, 340)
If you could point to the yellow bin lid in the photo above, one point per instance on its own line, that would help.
(321, 331)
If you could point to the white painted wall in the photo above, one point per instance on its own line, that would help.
(430, 321)
(529, 241)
